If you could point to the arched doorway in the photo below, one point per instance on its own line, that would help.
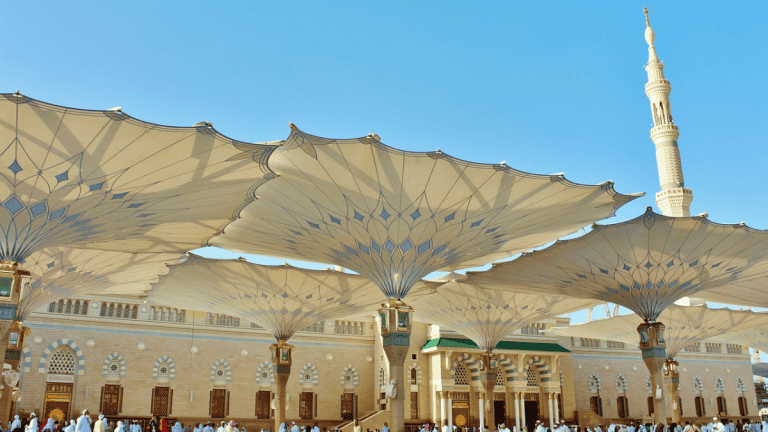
(60, 383)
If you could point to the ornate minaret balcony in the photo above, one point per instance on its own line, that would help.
(674, 199)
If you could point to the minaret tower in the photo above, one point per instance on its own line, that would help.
(674, 198)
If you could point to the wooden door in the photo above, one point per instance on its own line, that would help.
(161, 401)
(650, 406)
(531, 414)
(218, 403)
(110, 399)
(460, 411)
(500, 412)
(414, 405)
(347, 406)
(305, 405)
(263, 399)
(58, 397)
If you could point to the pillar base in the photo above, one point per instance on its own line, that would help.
(653, 348)
(671, 378)
(396, 340)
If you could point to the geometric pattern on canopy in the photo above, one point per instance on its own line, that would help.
(488, 316)
(64, 272)
(105, 180)
(282, 299)
(753, 292)
(396, 216)
(644, 264)
(755, 338)
(685, 325)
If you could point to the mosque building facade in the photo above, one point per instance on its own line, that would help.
(131, 360)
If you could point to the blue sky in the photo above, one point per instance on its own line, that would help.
(546, 87)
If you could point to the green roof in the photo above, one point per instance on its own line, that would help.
(504, 345)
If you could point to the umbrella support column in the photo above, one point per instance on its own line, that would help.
(653, 347)
(395, 319)
(488, 377)
(282, 354)
(671, 384)
(12, 334)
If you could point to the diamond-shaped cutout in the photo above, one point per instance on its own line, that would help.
(13, 205)
(384, 215)
(389, 245)
(416, 214)
(476, 223)
(335, 219)
(96, 186)
(15, 167)
(313, 225)
(648, 265)
(358, 216)
(627, 268)
(450, 217)
(62, 177)
(38, 209)
(406, 246)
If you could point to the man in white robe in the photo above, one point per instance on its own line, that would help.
(16, 423)
(176, 428)
(83, 425)
(222, 428)
(717, 425)
(502, 428)
(32, 426)
(100, 424)
(631, 427)
(294, 428)
(385, 428)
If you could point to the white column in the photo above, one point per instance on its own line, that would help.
(517, 412)
(442, 410)
(522, 411)
(551, 416)
(557, 410)
(482, 411)
(450, 413)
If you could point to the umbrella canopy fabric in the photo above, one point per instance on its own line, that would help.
(750, 292)
(488, 316)
(644, 264)
(282, 299)
(396, 216)
(65, 272)
(104, 180)
(685, 325)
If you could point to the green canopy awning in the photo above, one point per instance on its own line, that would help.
(503, 345)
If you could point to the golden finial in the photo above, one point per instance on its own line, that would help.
(647, 21)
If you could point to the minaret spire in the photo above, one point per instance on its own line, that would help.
(674, 199)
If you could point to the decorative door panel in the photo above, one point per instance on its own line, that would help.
(305, 405)
(110, 400)
(218, 403)
(347, 406)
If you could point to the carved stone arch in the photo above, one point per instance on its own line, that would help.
(416, 366)
(594, 384)
(719, 385)
(382, 376)
(221, 371)
(741, 388)
(509, 367)
(545, 373)
(470, 363)
(621, 384)
(308, 377)
(349, 377)
(27, 359)
(164, 369)
(41, 367)
(698, 385)
(114, 365)
(265, 375)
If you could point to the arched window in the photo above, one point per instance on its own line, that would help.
(52, 307)
(413, 376)
(77, 307)
(60, 309)
(532, 377)
(62, 361)
(85, 308)
(111, 310)
(68, 309)
(103, 309)
(460, 376)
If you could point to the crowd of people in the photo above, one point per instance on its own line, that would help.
(716, 425)
(85, 423)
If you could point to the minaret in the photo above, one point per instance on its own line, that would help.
(674, 198)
